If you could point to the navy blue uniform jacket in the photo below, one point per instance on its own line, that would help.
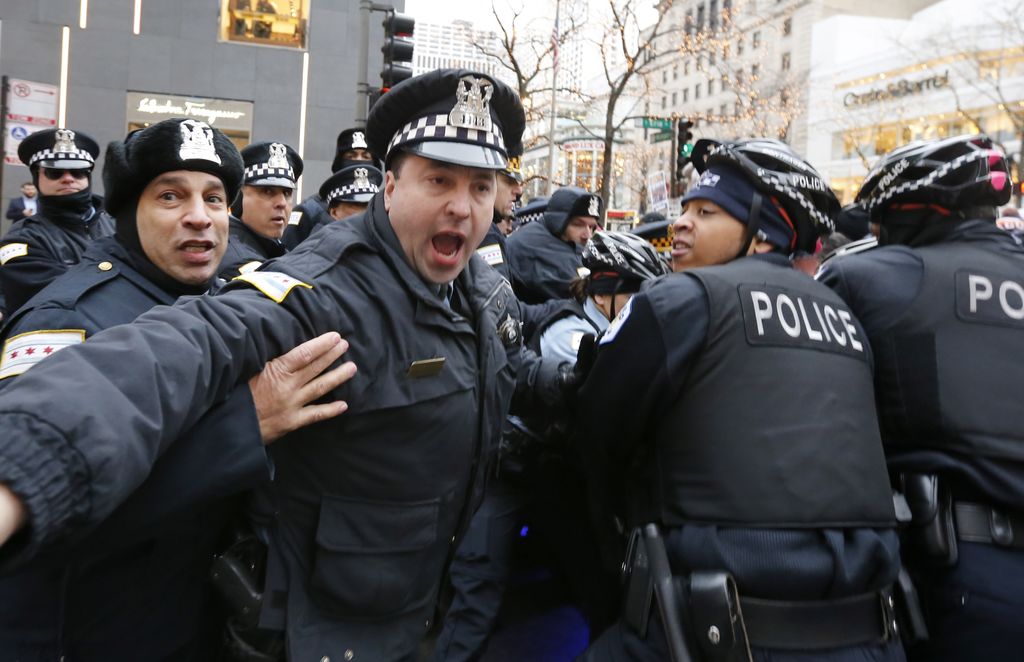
(371, 502)
(246, 250)
(36, 250)
(133, 588)
(541, 263)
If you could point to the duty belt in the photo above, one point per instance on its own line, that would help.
(976, 522)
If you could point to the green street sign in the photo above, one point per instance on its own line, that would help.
(663, 123)
(661, 136)
(686, 149)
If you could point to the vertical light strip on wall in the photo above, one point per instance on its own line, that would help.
(302, 116)
(83, 13)
(65, 48)
(137, 18)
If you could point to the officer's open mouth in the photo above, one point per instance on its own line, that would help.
(197, 246)
(447, 244)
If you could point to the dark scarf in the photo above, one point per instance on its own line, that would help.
(127, 235)
(74, 209)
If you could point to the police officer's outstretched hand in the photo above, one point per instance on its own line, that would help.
(283, 390)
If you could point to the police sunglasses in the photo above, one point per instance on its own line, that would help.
(54, 174)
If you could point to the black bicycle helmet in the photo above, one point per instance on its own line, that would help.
(624, 254)
(955, 173)
(781, 174)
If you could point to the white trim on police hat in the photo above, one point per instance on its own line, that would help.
(65, 153)
(466, 135)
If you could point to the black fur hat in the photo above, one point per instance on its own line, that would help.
(174, 144)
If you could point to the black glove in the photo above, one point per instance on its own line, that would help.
(572, 375)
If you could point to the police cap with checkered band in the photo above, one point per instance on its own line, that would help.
(456, 116)
(781, 177)
(356, 183)
(59, 148)
(959, 173)
(271, 164)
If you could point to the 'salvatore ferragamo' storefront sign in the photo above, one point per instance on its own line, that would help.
(150, 107)
(896, 89)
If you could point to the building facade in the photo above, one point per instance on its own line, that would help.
(951, 69)
(741, 68)
(456, 45)
(282, 70)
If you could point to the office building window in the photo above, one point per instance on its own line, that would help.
(265, 22)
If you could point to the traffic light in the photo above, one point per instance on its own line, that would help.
(685, 147)
(397, 49)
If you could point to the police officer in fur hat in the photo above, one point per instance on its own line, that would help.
(262, 209)
(349, 190)
(135, 588)
(39, 248)
(350, 149)
(544, 257)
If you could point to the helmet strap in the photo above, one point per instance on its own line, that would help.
(615, 293)
(753, 220)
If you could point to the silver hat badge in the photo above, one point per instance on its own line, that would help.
(64, 141)
(197, 142)
(362, 178)
(358, 140)
(594, 209)
(278, 157)
(472, 111)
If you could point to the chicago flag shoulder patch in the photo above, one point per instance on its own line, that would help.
(491, 254)
(24, 350)
(274, 284)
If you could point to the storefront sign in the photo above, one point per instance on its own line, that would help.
(146, 107)
(897, 89)
(582, 146)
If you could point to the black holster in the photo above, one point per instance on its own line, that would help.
(931, 535)
(237, 576)
(647, 573)
(716, 618)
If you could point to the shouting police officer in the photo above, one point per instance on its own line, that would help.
(744, 429)
(942, 303)
(262, 209)
(365, 509)
(39, 248)
(135, 588)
